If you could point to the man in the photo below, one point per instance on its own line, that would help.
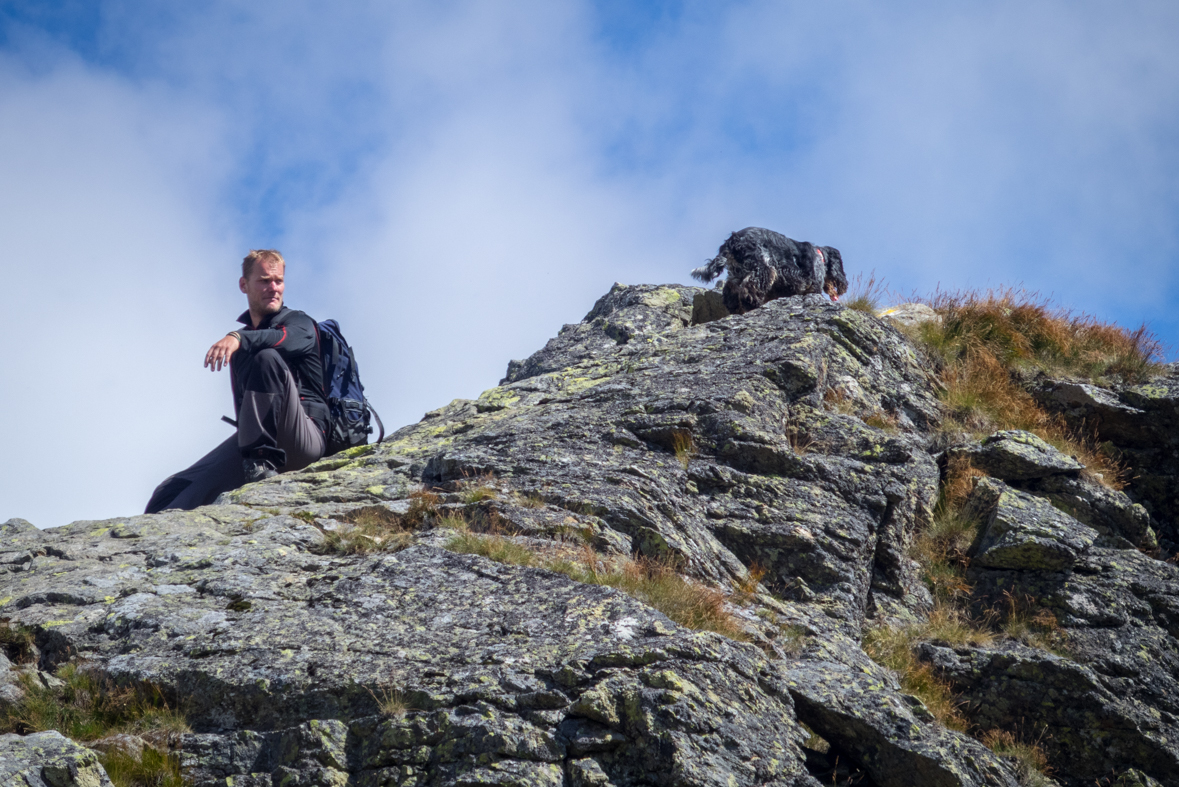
(277, 379)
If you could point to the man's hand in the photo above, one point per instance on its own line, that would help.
(219, 354)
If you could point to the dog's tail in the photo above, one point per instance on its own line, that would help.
(713, 268)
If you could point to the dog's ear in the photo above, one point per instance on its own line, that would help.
(835, 272)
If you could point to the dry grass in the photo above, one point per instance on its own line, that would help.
(1021, 328)
(91, 706)
(892, 647)
(16, 642)
(748, 584)
(422, 506)
(941, 547)
(986, 340)
(656, 583)
(378, 529)
(493, 546)
(393, 703)
(683, 446)
(957, 483)
(837, 400)
(941, 552)
(1029, 761)
(882, 420)
(865, 296)
(800, 442)
(475, 490)
(950, 625)
(531, 500)
(373, 529)
(154, 769)
(1022, 618)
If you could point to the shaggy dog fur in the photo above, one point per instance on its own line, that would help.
(763, 265)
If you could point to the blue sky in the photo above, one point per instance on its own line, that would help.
(454, 180)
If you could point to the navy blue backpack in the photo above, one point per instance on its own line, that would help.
(349, 423)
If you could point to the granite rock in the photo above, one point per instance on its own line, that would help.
(791, 444)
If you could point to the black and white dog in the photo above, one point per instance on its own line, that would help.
(763, 265)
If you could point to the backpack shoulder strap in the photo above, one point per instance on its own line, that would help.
(380, 425)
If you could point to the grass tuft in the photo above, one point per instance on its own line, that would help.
(1019, 328)
(865, 296)
(892, 647)
(531, 500)
(941, 549)
(657, 584)
(373, 529)
(684, 447)
(154, 769)
(16, 642)
(492, 546)
(422, 506)
(986, 341)
(476, 490)
(1023, 619)
(90, 706)
(654, 582)
(393, 703)
(1029, 761)
(882, 420)
(748, 584)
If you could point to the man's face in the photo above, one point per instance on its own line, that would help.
(264, 287)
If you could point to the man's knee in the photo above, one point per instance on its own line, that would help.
(267, 372)
(268, 358)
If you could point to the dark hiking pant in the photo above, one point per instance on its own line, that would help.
(271, 426)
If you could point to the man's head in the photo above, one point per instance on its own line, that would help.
(262, 282)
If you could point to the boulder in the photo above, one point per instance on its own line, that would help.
(1141, 424)
(1112, 513)
(1020, 531)
(1105, 699)
(1016, 455)
(48, 759)
(910, 315)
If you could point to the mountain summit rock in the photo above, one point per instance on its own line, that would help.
(348, 625)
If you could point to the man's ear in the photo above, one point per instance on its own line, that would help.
(241, 283)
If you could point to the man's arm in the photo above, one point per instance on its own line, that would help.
(220, 353)
(294, 338)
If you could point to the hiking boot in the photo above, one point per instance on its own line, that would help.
(258, 469)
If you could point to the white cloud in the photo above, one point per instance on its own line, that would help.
(107, 294)
(455, 181)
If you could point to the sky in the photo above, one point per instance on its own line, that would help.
(453, 181)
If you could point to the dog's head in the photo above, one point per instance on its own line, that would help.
(834, 280)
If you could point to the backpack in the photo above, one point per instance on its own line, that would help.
(348, 425)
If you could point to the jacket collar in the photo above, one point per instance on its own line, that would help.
(245, 320)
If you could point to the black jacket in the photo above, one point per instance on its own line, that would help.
(295, 336)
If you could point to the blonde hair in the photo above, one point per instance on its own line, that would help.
(260, 255)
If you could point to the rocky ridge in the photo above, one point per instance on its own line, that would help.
(788, 457)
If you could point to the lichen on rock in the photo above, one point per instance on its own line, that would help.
(783, 459)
